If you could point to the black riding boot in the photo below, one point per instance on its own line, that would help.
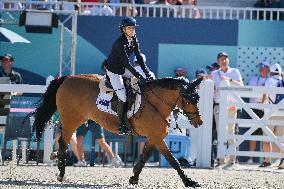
(124, 125)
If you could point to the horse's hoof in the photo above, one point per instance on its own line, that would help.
(133, 180)
(193, 184)
(60, 179)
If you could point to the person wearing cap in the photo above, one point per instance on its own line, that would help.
(233, 76)
(118, 63)
(275, 80)
(214, 66)
(259, 80)
(7, 70)
(200, 73)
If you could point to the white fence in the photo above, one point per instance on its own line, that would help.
(152, 10)
(48, 135)
(232, 96)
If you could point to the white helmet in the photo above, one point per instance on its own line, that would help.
(143, 56)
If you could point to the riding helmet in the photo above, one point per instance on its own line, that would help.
(127, 21)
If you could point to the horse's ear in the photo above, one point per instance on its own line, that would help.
(197, 82)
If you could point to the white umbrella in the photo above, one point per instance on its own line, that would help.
(10, 36)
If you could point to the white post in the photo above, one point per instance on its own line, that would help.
(24, 151)
(223, 120)
(74, 42)
(203, 158)
(48, 135)
(61, 49)
(14, 153)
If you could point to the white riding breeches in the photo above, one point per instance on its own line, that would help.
(117, 84)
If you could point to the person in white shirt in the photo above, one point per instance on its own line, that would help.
(275, 78)
(260, 80)
(225, 73)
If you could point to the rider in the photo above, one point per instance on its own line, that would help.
(118, 66)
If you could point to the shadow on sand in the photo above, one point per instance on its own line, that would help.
(31, 182)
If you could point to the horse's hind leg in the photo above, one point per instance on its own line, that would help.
(63, 145)
(61, 155)
(147, 151)
(163, 149)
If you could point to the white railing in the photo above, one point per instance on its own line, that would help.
(150, 10)
(235, 94)
(25, 88)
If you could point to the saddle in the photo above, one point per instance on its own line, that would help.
(107, 98)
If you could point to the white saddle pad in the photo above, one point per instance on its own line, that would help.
(104, 103)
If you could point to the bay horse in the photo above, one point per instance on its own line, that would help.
(74, 97)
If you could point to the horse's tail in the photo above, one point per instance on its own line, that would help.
(46, 107)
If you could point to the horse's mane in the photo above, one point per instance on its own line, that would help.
(167, 82)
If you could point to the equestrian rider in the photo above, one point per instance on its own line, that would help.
(118, 66)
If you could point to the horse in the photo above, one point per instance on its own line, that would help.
(74, 97)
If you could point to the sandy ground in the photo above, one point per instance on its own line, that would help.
(98, 177)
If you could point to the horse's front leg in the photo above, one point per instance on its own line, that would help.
(163, 149)
(147, 151)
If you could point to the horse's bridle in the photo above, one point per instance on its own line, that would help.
(190, 115)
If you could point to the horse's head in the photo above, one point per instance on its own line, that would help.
(188, 101)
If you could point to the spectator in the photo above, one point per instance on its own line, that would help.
(69, 5)
(233, 76)
(263, 68)
(273, 81)
(200, 73)
(214, 66)
(180, 73)
(196, 11)
(102, 10)
(163, 11)
(58, 131)
(97, 130)
(8, 71)
(268, 4)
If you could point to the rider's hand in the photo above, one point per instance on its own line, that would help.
(150, 78)
(142, 80)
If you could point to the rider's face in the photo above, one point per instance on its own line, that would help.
(129, 30)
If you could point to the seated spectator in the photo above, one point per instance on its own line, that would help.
(267, 4)
(196, 11)
(161, 12)
(69, 6)
(102, 10)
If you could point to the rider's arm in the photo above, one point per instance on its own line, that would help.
(127, 65)
(140, 58)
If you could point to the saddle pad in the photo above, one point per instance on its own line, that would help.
(104, 104)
